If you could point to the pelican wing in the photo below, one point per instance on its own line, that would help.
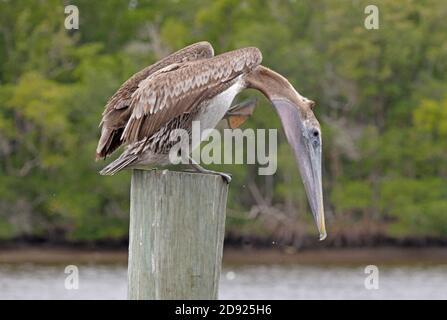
(181, 88)
(118, 109)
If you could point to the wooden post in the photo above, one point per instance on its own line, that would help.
(177, 224)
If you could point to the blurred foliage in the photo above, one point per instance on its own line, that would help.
(381, 97)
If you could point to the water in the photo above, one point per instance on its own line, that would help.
(108, 281)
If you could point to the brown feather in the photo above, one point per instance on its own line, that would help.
(180, 89)
(117, 111)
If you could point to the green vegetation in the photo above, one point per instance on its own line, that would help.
(381, 98)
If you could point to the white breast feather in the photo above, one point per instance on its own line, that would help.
(218, 107)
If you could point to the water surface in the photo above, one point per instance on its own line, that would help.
(243, 280)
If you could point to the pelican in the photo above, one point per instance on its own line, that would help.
(194, 85)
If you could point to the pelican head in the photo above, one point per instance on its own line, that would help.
(303, 133)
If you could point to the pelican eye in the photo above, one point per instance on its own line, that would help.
(314, 136)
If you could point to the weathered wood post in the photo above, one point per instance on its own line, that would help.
(177, 224)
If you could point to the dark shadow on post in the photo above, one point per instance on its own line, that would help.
(177, 225)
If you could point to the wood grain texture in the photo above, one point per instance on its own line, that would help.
(177, 224)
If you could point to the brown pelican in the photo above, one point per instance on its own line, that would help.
(193, 84)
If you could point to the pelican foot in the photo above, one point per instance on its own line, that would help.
(225, 176)
(199, 168)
